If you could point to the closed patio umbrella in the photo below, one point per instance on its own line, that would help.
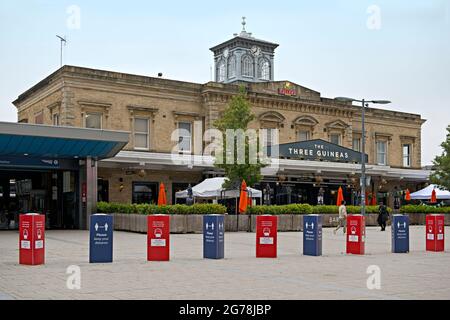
(433, 196)
(243, 198)
(162, 201)
(340, 196)
(374, 199)
(408, 195)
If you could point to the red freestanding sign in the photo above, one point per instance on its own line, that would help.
(158, 234)
(31, 239)
(266, 236)
(356, 234)
(435, 232)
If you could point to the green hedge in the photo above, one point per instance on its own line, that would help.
(410, 208)
(308, 209)
(105, 207)
(286, 209)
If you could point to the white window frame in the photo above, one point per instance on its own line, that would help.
(264, 70)
(384, 160)
(408, 156)
(141, 133)
(359, 145)
(55, 116)
(232, 67)
(308, 135)
(221, 71)
(91, 114)
(339, 137)
(181, 136)
(248, 67)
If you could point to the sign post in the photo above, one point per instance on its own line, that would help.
(356, 233)
(312, 235)
(400, 233)
(435, 232)
(266, 236)
(213, 236)
(32, 239)
(101, 228)
(158, 237)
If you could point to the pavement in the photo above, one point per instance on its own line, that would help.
(240, 276)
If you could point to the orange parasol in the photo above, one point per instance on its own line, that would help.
(340, 197)
(433, 197)
(374, 199)
(408, 195)
(162, 201)
(243, 198)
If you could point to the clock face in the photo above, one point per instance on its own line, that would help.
(256, 51)
(225, 52)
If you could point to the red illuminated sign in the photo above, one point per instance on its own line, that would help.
(287, 90)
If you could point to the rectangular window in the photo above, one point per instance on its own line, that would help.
(270, 136)
(335, 138)
(141, 133)
(407, 155)
(303, 135)
(93, 120)
(39, 118)
(144, 192)
(184, 136)
(381, 153)
(356, 145)
(55, 119)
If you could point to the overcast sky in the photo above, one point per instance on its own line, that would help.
(395, 50)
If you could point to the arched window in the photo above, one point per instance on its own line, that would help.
(247, 66)
(264, 69)
(232, 67)
(221, 71)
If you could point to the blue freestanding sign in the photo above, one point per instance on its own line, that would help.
(400, 233)
(101, 238)
(312, 235)
(213, 236)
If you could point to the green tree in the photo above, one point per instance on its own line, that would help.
(441, 175)
(236, 116)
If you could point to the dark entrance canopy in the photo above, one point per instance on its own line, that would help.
(41, 141)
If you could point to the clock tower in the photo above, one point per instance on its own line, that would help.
(244, 58)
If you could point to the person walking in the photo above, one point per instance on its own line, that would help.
(383, 216)
(342, 217)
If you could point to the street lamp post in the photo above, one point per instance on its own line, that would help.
(363, 143)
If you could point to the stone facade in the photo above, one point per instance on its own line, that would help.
(67, 96)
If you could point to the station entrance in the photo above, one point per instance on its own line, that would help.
(52, 171)
(50, 192)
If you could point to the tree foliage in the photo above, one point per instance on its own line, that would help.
(441, 175)
(236, 116)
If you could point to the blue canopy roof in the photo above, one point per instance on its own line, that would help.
(41, 141)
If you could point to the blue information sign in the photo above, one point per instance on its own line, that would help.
(400, 233)
(312, 235)
(101, 238)
(213, 236)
